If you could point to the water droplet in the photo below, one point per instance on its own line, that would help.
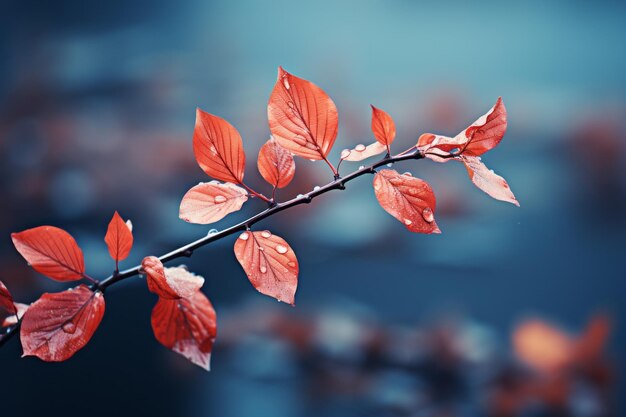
(281, 249)
(291, 105)
(300, 196)
(408, 173)
(316, 188)
(345, 153)
(220, 199)
(69, 327)
(389, 165)
(359, 148)
(408, 222)
(291, 264)
(129, 224)
(213, 150)
(312, 160)
(261, 248)
(377, 185)
(244, 236)
(212, 232)
(361, 166)
(286, 83)
(427, 214)
(266, 234)
(263, 269)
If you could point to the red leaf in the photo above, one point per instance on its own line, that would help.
(7, 306)
(210, 202)
(437, 147)
(171, 283)
(218, 148)
(270, 263)
(51, 251)
(58, 325)
(302, 118)
(408, 199)
(361, 152)
(484, 134)
(487, 180)
(383, 127)
(276, 164)
(13, 319)
(119, 238)
(187, 326)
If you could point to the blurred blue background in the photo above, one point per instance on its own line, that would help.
(97, 105)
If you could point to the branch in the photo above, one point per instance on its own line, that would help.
(187, 250)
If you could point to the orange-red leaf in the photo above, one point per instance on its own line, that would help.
(11, 320)
(210, 202)
(187, 326)
(270, 263)
(276, 164)
(361, 152)
(7, 306)
(486, 132)
(51, 251)
(437, 147)
(488, 181)
(172, 283)
(218, 148)
(119, 238)
(408, 199)
(383, 127)
(302, 118)
(58, 325)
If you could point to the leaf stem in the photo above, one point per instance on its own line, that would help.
(254, 193)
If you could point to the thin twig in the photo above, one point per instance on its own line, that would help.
(187, 250)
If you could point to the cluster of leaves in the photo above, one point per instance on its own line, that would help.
(303, 122)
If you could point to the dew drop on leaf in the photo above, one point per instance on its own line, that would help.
(266, 234)
(408, 222)
(263, 269)
(427, 213)
(69, 327)
(244, 236)
(359, 148)
(281, 249)
(345, 153)
(220, 199)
